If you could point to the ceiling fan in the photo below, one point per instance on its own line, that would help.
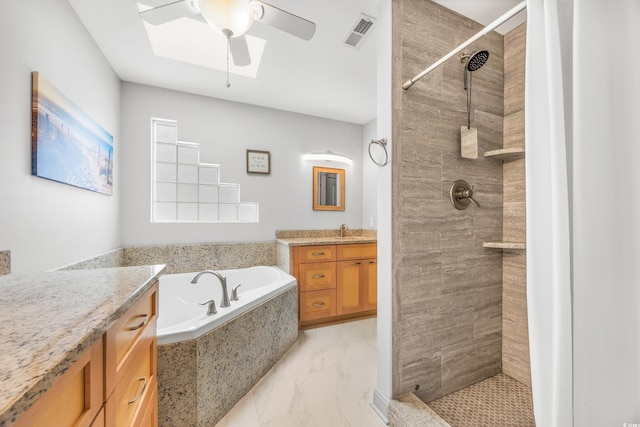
(231, 18)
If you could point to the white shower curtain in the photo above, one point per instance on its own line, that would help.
(583, 216)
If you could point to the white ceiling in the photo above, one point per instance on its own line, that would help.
(321, 77)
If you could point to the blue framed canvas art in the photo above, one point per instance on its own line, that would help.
(67, 145)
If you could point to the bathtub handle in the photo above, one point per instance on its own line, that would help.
(212, 307)
(144, 386)
(234, 293)
(317, 304)
(141, 324)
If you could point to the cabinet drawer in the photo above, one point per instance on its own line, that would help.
(132, 395)
(317, 304)
(316, 276)
(317, 253)
(122, 337)
(149, 417)
(75, 398)
(357, 251)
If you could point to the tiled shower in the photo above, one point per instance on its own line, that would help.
(459, 308)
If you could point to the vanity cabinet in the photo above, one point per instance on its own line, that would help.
(113, 383)
(130, 364)
(336, 282)
(75, 399)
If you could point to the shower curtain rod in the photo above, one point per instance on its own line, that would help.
(501, 20)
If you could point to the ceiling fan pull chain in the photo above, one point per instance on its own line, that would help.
(228, 85)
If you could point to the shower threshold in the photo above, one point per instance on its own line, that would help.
(499, 401)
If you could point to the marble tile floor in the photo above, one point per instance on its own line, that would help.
(325, 380)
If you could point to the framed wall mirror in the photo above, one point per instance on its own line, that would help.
(328, 189)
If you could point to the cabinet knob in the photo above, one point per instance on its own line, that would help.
(318, 304)
(318, 276)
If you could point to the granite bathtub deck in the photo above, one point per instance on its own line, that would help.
(48, 319)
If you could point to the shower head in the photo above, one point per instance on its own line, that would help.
(476, 60)
(473, 62)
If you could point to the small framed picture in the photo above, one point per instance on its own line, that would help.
(258, 162)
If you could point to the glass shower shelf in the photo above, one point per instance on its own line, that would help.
(505, 245)
(506, 153)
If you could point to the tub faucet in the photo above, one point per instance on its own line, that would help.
(223, 282)
(343, 228)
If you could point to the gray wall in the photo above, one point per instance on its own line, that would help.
(446, 287)
(45, 223)
(225, 130)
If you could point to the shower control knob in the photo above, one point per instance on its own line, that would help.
(461, 195)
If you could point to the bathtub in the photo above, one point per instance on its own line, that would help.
(182, 317)
(206, 364)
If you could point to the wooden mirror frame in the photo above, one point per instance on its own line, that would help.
(316, 205)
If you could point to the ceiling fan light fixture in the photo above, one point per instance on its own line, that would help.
(228, 16)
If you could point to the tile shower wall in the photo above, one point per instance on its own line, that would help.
(447, 288)
(515, 336)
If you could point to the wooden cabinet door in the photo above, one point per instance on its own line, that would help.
(371, 284)
(349, 286)
(357, 286)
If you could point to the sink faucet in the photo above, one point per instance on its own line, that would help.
(223, 282)
(343, 228)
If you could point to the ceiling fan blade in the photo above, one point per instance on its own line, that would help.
(240, 51)
(153, 3)
(169, 12)
(285, 21)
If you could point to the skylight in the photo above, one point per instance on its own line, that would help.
(195, 42)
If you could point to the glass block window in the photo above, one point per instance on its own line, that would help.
(187, 190)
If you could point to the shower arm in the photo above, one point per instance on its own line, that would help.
(501, 20)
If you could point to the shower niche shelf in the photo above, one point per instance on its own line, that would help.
(505, 245)
(506, 154)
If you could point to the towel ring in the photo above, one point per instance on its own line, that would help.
(382, 143)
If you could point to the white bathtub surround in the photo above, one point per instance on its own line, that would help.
(326, 379)
(200, 380)
(183, 317)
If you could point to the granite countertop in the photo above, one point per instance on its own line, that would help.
(48, 319)
(327, 240)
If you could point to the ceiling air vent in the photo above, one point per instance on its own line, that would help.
(359, 30)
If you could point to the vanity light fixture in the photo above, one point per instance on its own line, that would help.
(328, 156)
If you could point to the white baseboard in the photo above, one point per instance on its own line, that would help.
(380, 405)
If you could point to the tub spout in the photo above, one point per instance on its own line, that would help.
(223, 282)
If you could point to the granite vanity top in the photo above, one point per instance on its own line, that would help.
(327, 240)
(48, 319)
